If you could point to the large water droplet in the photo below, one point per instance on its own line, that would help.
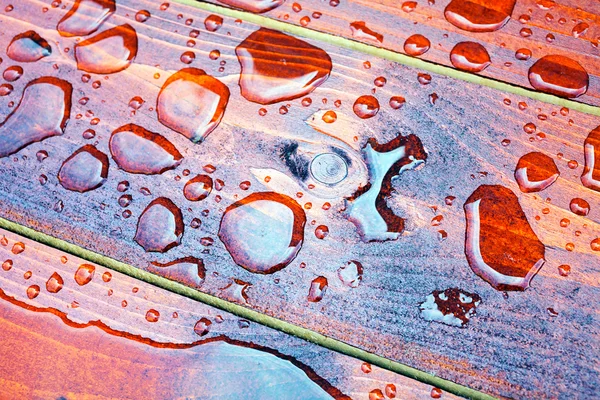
(470, 56)
(263, 232)
(559, 75)
(139, 151)
(453, 307)
(366, 107)
(84, 274)
(28, 47)
(198, 188)
(108, 52)
(84, 170)
(591, 172)
(188, 270)
(351, 273)
(479, 16)
(278, 67)
(34, 120)
(192, 103)
(85, 17)
(160, 227)
(361, 31)
(579, 206)
(535, 172)
(500, 245)
(368, 208)
(416, 45)
(255, 6)
(55, 283)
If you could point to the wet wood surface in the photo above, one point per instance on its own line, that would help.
(536, 343)
(116, 337)
(534, 29)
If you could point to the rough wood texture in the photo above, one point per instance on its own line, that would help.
(473, 136)
(565, 28)
(95, 341)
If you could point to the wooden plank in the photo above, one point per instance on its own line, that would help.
(534, 29)
(101, 340)
(473, 136)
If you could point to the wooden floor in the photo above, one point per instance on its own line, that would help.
(444, 225)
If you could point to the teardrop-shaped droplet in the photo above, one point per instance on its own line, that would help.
(255, 6)
(536, 171)
(28, 47)
(160, 227)
(478, 15)
(416, 45)
(198, 188)
(55, 283)
(192, 103)
(139, 151)
(108, 52)
(84, 274)
(470, 56)
(559, 75)
(263, 232)
(86, 169)
(34, 120)
(278, 67)
(85, 17)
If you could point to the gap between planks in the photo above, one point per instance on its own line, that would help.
(390, 55)
(243, 312)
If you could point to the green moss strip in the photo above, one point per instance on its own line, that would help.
(393, 56)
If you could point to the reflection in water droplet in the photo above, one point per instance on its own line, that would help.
(360, 31)
(160, 227)
(33, 291)
(55, 283)
(500, 245)
(108, 52)
(192, 103)
(579, 206)
(85, 17)
(535, 172)
(139, 151)
(416, 45)
(366, 107)
(86, 169)
(351, 274)
(33, 120)
(28, 47)
(152, 315)
(263, 232)
(84, 274)
(479, 16)
(198, 188)
(278, 67)
(560, 76)
(591, 172)
(470, 56)
(317, 290)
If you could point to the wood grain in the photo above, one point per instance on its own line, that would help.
(94, 341)
(514, 347)
(556, 19)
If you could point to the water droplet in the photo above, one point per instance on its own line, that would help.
(591, 172)
(139, 151)
(396, 102)
(360, 31)
(580, 29)
(18, 248)
(85, 17)
(436, 393)
(321, 232)
(376, 394)
(416, 45)
(351, 274)
(160, 227)
(86, 169)
(108, 52)
(424, 79)
(366, 106)
(523, 54)
(263, 232)
(237, 291)
(33, 291)
(329, 117)
(366, 368)
(107, 276)
(317, 290)
(125, 200)
(202, 327)
(535, 172)
(7, 265)
(470, 56)
(579, 206)
(84, 274)
(6, 89)
(28, 47)
(479, 17)
(409, 6)
(254, 6)
(192, 103)
(152, 315)
(188, 270)
(13, 73)
(278, 67)
(564, 270)
(500, 245)
(559, 75)
(55, 283)
(453, 307)
(213, 22)
(142, 16)
(390, 391)
(198, 188)
(595, 244)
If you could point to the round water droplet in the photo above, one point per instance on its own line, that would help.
(580, 207)
(33, 291)
(416, 45)
(470, 56)
(152, 315)
(366, 106)
(84, 274)
(560, 76)
(142, 16)
(202, 327)
(198, 188)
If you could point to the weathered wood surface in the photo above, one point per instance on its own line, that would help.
(565, 28)
(95, 341)
(514, 347)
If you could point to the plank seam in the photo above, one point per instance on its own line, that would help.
(243, 312)
(391, 55)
